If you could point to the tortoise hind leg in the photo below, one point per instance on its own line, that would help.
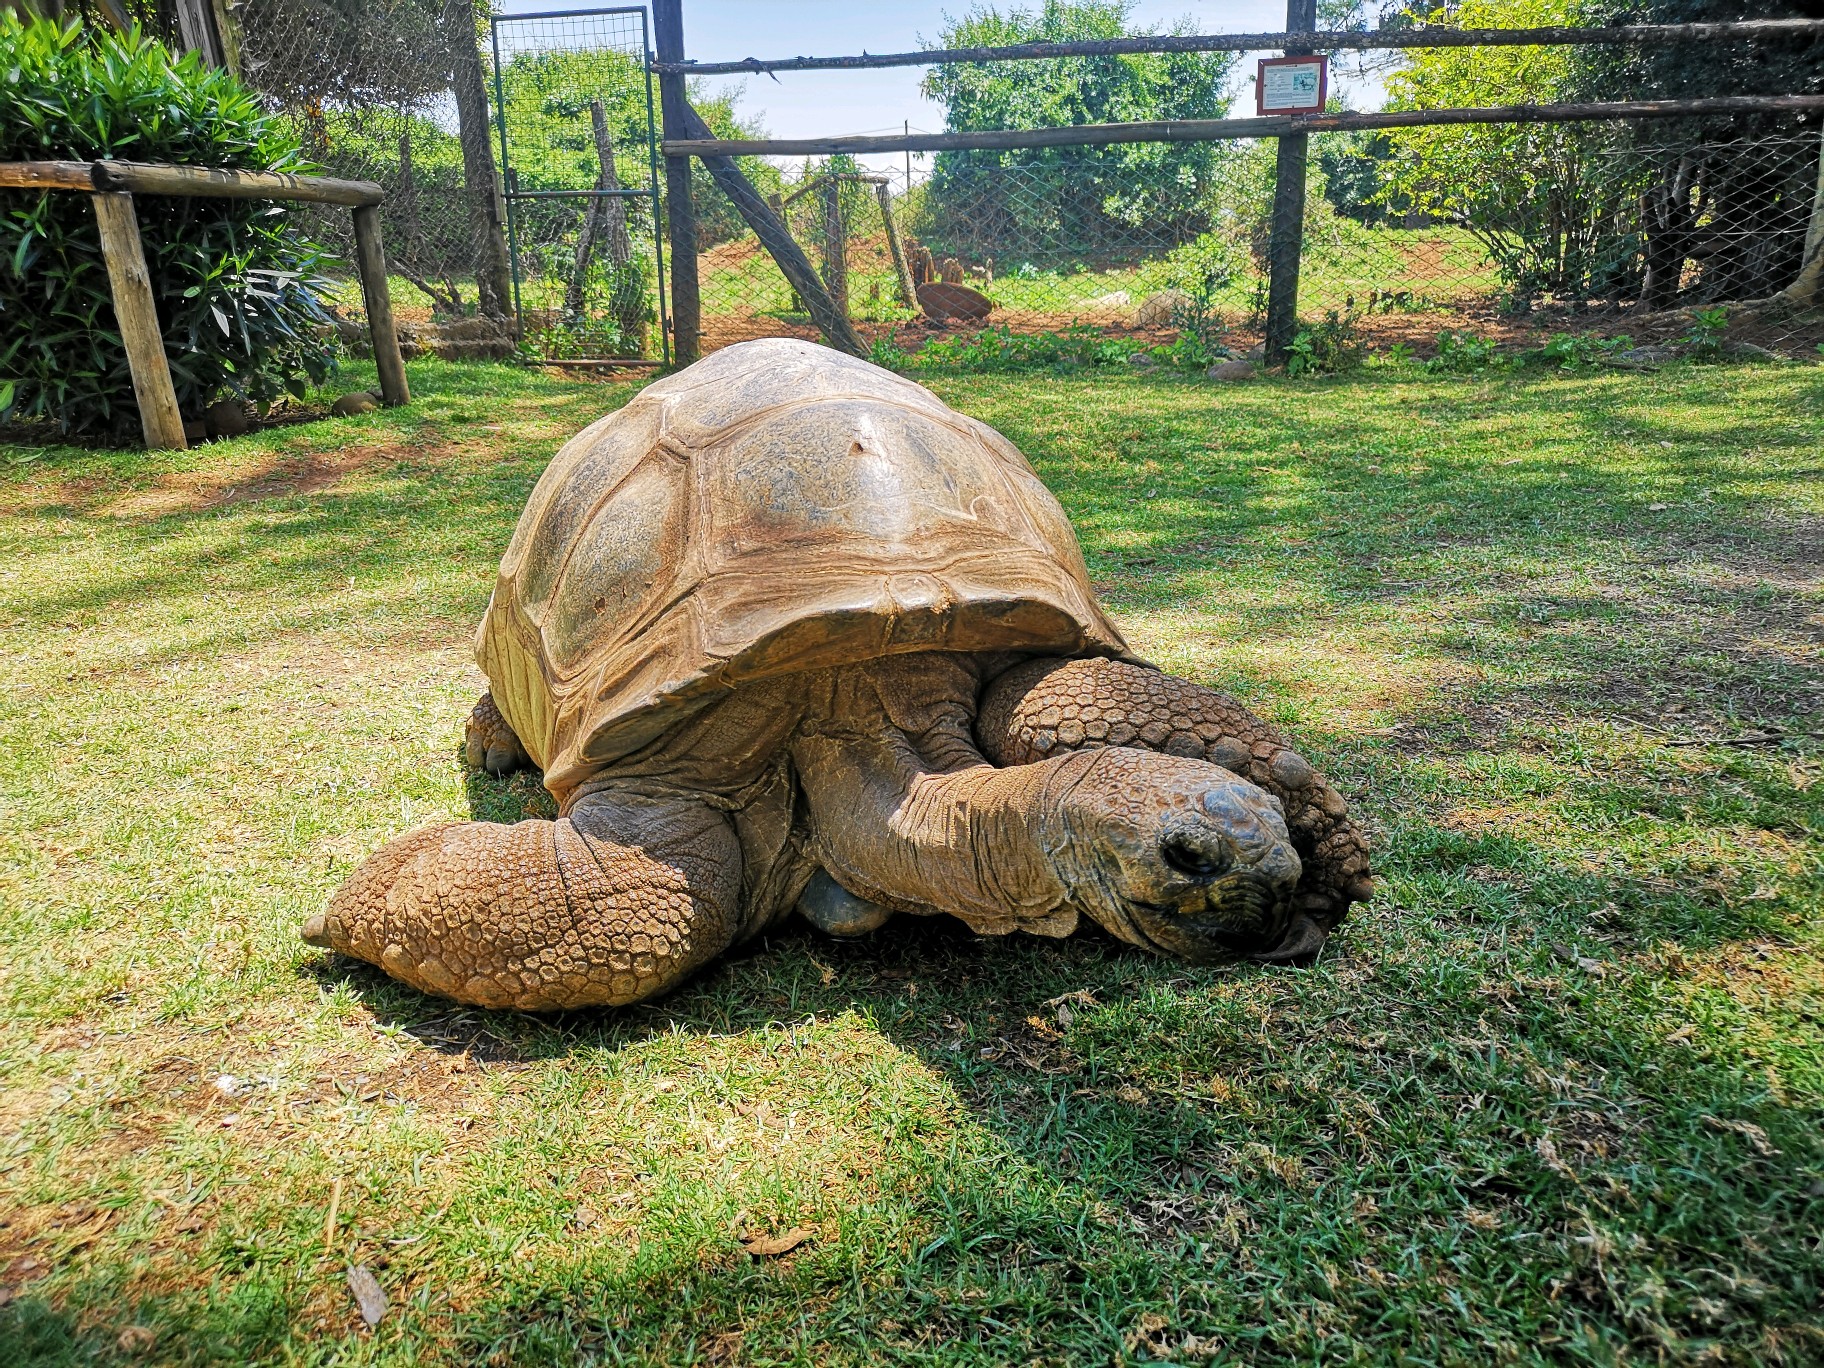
(490, 742)
(1042, 708)
(618, 901)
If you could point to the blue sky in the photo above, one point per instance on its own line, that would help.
(813, 103)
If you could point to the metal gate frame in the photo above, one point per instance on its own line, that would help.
(510, 178)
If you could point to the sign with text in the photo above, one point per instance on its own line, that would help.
(1292, 85)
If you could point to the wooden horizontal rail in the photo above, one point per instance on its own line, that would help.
(1217, 130)
(816, 181)
(112, 185)
(146, 178)
(1323, 41)
(46, 175)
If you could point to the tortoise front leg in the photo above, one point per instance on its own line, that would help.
(490, 743)
(1043, 708)
(617, 901)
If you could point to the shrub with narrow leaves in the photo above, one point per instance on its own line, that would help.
(234, 283)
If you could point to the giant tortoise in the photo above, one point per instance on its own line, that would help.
(788, 632)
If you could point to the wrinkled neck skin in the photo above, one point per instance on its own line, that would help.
(907, 813)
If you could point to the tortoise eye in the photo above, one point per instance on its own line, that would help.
(1201, 857)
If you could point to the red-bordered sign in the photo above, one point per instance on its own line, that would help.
(1292, 85)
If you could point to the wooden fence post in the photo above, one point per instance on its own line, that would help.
(134, 310)
(774, 236)
(835, 246)
(1287, 243)
(907, 290)
(680, 213)
(370, 262)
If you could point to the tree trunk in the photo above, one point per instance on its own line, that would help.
(1666, 213)
(493, 273)
(1808, 286)
(606, 219)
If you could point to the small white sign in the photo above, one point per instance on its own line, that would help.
(1292, 85)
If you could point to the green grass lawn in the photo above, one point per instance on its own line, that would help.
(1556, 1096)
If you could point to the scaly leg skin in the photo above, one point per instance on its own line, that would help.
(615, 902)
(490, 742)
(1044, 708)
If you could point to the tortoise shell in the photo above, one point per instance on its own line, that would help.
(777, 507)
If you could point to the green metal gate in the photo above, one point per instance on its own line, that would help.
(579, 155)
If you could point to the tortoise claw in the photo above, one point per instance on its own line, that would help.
(1303, 939)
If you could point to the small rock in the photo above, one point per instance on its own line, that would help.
(1747, 351)
(350, 404)
(1646, 356)
(1231, 370)
(1156, 309)
(1257, 352)
(226, 418)
(227, 1085)
(366, 1290)
(1141, 361)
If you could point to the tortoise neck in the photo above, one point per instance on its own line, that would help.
(907, 813)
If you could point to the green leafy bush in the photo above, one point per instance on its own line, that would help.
(1575, 351)
(1002, 349)
(1463, 353)
(1707, 339)
(234, 284)
(1326, 348)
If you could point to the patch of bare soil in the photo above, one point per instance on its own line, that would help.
(196, 491)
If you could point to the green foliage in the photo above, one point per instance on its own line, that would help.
(1464, 353)
(234, 284)
(1545, 199)
(1356, 176)
(1578, 351)
(1326, 348)
(1079, 198)
(1001, 349)
(885, 351)
(1707, 337)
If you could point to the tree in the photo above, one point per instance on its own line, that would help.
(1734, 195)
(1545, 199)
(1077, 198)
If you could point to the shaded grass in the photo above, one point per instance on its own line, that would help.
(1555, 1097)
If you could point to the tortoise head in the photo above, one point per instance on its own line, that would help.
(1178, 856)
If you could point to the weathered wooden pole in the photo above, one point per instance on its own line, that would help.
(773, 235)
(835, 246)
(907, 291)
(680, 213)
(370, 263)
(134, 311)
(1287, 243)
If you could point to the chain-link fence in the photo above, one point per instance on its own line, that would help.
(1600, 230)
(575, 105)
(414, 94)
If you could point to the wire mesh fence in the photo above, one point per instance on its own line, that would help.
(1614, 231)
(575, 107)
(554, 252)
(372, 93)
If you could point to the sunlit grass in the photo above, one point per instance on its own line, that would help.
(1556, 1096)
